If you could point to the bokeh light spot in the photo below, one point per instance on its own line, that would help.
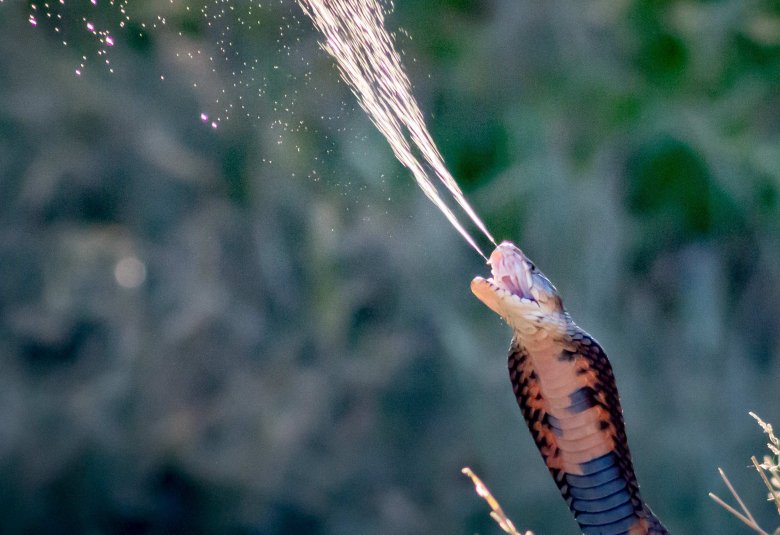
(130, 272)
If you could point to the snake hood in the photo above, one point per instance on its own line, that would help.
(521, 294)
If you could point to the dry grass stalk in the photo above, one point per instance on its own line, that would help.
(497, 513)
(745, 516)
(772, 483)
(772, 492)
(770, 465)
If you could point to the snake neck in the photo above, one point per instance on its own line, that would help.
(566, 391)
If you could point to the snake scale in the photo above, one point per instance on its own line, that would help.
(566, 390)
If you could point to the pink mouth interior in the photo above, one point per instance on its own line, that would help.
(510, 270)
(511, 285)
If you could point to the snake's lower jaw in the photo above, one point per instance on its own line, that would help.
(488, 294)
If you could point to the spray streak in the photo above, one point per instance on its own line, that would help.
(356, 38)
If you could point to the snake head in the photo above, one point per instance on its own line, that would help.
(520, 293)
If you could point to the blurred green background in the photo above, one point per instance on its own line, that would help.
(265, 328)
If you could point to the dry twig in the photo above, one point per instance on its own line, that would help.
(497, 513)
(746, 518)
(773, 484)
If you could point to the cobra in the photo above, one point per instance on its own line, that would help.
(566, 390)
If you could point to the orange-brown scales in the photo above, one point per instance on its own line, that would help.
(564, 385)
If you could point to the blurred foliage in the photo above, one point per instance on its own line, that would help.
(303, 354)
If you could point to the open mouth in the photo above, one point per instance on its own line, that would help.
(511, 271)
